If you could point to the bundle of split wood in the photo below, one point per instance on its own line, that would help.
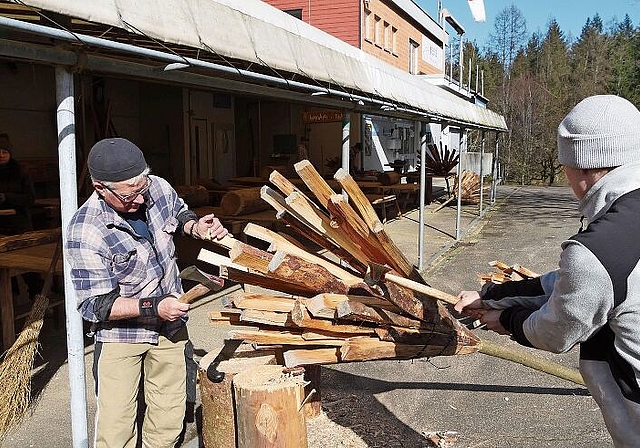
(323, 311)
(470, 187)
(506, 273)
(439, 161)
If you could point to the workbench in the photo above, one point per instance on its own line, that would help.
(14, 262)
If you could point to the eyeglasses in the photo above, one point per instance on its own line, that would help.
(129, 198)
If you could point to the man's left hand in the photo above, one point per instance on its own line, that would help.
(491, 318)
(209, 226)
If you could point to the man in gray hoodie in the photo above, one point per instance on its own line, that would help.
(593, 299)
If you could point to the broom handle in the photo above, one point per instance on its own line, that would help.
(48, 281)
(424, 289)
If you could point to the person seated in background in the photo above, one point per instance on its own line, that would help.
(354, 159)
(16, 192)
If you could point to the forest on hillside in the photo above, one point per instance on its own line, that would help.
(533, 80)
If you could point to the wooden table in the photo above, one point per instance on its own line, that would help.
(18, 261)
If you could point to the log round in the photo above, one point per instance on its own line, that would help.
(218, 415)
(268, 408)
(243, 201)
(389, 178)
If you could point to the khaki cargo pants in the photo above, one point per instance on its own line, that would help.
(117, 370)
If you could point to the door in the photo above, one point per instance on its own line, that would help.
(200, 156)
(224, 151)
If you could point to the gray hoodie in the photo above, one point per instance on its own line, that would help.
(595, 302)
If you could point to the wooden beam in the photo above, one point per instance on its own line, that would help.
(325, 305)
(279, 243)
(216, 259)
(359, 200)
(314, 181)
(364, 207)
(263, 302)
(270, 337)
(366, 349)
(353, 310)
(321, 241)
(250, 257)
(266, 318)
(301, 318)
(303, 357)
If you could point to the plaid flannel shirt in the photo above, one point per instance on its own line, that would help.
(106, 254)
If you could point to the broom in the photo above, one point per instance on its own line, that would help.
(15, 370)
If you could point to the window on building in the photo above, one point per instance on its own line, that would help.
(368, 28)
(414, 48)
(387, 37)
(394, 40)
(378, 31)
(297, 13)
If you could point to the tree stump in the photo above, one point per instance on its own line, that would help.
(218, 411)
(269, 410)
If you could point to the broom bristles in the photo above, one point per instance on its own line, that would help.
(15, 370)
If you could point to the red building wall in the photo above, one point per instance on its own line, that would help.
(338, 18)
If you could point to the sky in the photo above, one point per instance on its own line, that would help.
(571, 15)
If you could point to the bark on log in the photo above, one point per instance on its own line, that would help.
(268, 410)
(239, 276)
(29, 239)
(389, 178)
(218, 413)
(243, 201)
(311, 276)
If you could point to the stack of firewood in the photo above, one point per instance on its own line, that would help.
(470, 188)
(439, 161)
(505, 273)
(317, 307)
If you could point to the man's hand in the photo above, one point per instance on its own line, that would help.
(170, 309)
(209, 226)
(491, 318)
(469, 302)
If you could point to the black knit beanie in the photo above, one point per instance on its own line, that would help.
(115, 160)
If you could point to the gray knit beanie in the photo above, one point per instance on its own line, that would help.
(601, 131)
(115, 160)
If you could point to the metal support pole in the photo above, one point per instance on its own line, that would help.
(346, 130)
(494, 171)
(459, 174)
(421, 129)
(65, 117)
(481, 173)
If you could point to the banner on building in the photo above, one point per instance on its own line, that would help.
(322, 116)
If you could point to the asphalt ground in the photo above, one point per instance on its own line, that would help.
(479, 400)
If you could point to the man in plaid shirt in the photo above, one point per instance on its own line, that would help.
(123, 266)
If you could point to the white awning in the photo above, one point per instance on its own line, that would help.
(254, 31)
